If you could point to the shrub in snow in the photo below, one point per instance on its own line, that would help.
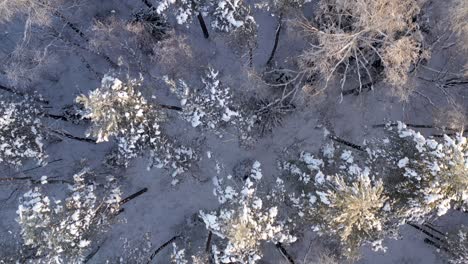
(211, 106)
(174, 54)
(352, 209)
(435, 172)
(185, 10)
(230, 15)
(127, 42)
(21, 132)
(337, 197)
(118, 110)
(61, 231)
(245, 222)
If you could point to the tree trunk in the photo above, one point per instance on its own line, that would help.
(133, 196)
(275, 46)
(59, 36)
(208, 242)
(161, 248)
(203, 25)
(56, 13)
(71, 25)
(170, 107)
(347, 143)
(147, 3)
(285, 254)
(70, 136)
(13, 91)
(75, 28)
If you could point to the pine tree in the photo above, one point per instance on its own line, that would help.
(61, 231)
(119, 110)
(431, 174)
(245, 222)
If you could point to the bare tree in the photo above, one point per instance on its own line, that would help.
(174, 54)
(459, 18)
(29, 62)
(37, 11)
(364, 38)
(452, 119)
(42, 20)
(458, 21)
(129, 42)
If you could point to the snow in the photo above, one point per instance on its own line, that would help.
(312, 200)
(432, 198)
(323, 197)
(44, 179)
(228, 115)
(403, 162)
(347, 156)
(319, 178)
(256, 171)
(230, 193)
(329, 150)
(196, 118)
(354, 169)
(311, 161)
(210, 220)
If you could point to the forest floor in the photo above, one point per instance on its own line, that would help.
(164, 211)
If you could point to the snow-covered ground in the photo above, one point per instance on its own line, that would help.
(168, 208)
